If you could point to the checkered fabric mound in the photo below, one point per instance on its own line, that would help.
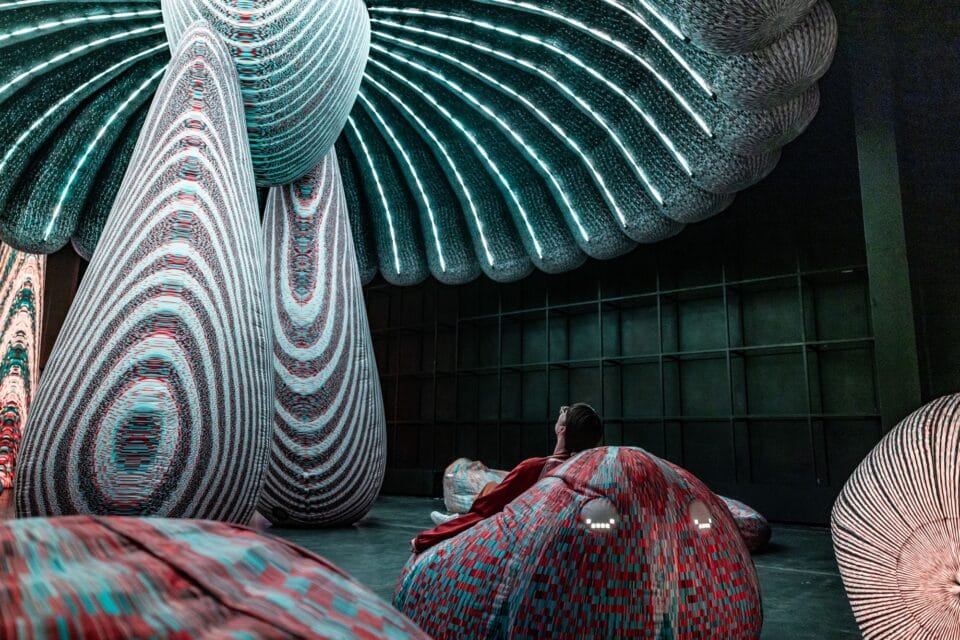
(753, 527)
(614, 543)
(116, 577)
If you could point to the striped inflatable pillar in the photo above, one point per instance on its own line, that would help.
(300, 64)
(157, 398)
(896, 529)
(329, 443)
(21, 313)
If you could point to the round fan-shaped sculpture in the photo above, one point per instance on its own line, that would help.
(300, 64)
(158, 395)
(896, 529)
(88, 577)
(488, 136)
(21, 311)
(329, 434)
(614, 543)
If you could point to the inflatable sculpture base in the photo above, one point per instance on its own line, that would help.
(115, 577)
(614, 543)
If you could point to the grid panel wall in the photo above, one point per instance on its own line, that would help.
(740, 352)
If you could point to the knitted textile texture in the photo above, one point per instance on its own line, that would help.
(493, 136)
(896, 529)
(614, 543)
(158, 395)
(113, 577)
(21, 314)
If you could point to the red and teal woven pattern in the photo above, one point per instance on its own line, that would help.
(615, 543)
(753, 527)
(113, 577)
(21, 311)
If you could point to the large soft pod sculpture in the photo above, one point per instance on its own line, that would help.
(328, 456)
(157, 398)
(896, 529)
(119, 578)
(21, 311)
(614, 543)
(491, 136)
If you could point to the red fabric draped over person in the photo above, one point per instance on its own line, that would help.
(524, 475)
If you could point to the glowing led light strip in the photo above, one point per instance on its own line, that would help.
(383, 196)
(526, 37)
(490, 114)
(597, 116)
(443, 150)
(46, 114)
(580, 26)
(72, 52)
(416, 177)
(674, 29)
(62, 23)
(93, 145)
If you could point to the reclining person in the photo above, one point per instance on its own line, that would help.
(578, 428)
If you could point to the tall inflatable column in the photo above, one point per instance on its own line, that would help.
(157, 398)
(21, 312)
(328, 455)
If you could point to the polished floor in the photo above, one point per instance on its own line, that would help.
(803, 598)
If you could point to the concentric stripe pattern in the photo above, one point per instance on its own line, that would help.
(300, 64)
(328, 456)
(21, 311)
(499, 136)
(896, 529)
(157, 398)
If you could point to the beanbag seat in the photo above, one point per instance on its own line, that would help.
(896, 529)
(117, 577)
(614, 543)
(753, 527)
(463, 480)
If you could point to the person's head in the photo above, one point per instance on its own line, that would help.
(578, 428)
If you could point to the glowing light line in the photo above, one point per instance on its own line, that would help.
(416, 177)
(70, 21)
(446, 154)
(473, 140)
(383, 196)
(46, 114)
(78, 49)
(93, 145)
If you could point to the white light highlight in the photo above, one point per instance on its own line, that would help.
(46, 114)
(383, 197)
(79, 20)
(595, 33)
(413, 171)
(493, 116)
(584, 105)
(76, 50)
(93, 145)
(473, 140)
(527, 37)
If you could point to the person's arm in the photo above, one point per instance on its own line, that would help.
(523, 476)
